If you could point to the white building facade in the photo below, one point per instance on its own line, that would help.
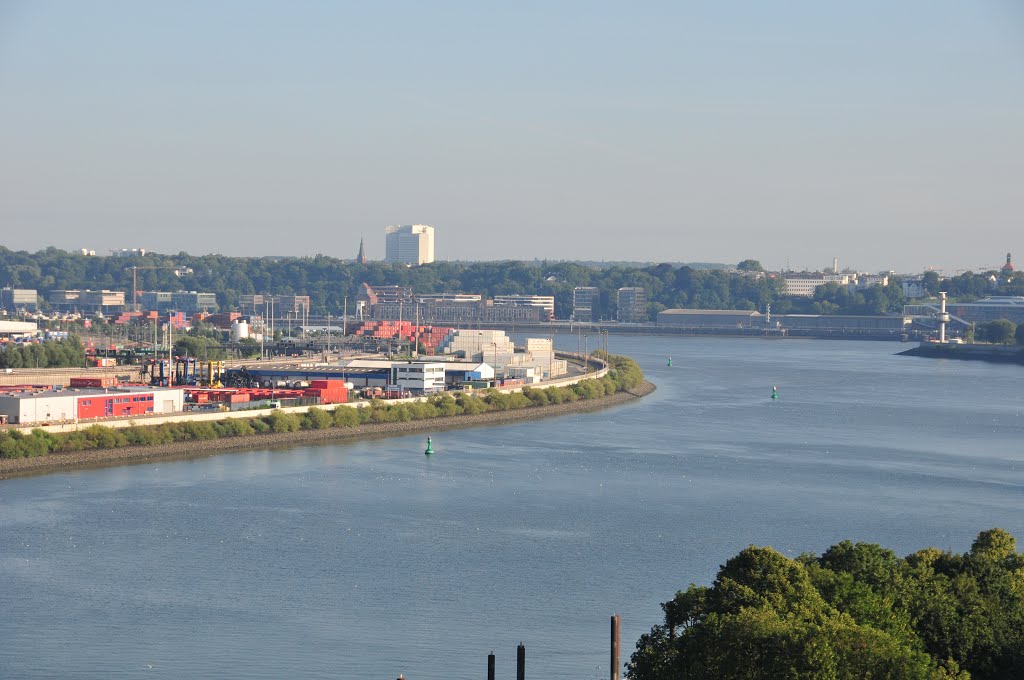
(496, 349)
(419, 377)
(411, 244)
(805, 284)
(545, 302)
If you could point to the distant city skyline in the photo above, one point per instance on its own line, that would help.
(887, 134)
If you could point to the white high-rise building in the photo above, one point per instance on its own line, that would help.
(409, 244)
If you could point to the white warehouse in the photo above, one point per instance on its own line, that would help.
(419, 377)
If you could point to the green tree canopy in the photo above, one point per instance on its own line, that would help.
(1000, 332)
(857, 611)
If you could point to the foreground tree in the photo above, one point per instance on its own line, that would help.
(858, 611)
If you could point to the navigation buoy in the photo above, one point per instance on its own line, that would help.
(775, 392)
(430, 447)
(670, 361)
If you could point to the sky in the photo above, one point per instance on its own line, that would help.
(887, 134)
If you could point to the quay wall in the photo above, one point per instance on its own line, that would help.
(1004, 354)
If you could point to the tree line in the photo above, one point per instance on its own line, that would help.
(1000, 332)
(856, 611)
(330, 281)
(63, 353)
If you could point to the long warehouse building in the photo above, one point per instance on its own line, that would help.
(34, 404)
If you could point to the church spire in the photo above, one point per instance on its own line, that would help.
(361, 257)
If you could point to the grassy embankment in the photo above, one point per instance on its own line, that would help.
(624, 375)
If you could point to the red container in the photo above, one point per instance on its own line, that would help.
(93, 381)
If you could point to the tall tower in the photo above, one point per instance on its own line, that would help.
(411, 244)
(943, 317)
(1008, 267)
(361, 257)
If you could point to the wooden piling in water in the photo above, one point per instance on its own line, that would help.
(490, 666)
(521, 662)
(616, 623)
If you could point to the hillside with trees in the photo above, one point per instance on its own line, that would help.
(329, 281)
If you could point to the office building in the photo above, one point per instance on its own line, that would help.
(190, 302)
(544, 302)
(19, 299)
(585, 301)
(418, 377)
(88, 301)
(631, 305)
(411, 244)
(297, 306)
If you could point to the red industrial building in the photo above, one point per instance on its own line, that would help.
(37, 404)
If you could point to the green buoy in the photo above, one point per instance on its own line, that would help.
(775, 392)
(430, 447)
(670, 361)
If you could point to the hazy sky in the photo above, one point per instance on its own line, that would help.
(889, 134)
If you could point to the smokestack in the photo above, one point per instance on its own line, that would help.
(835, 265)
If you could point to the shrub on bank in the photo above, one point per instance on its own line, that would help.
(470, 404)
(283, 422)
(624, 374)
(317, 419)
(445, 405)
(345, 416)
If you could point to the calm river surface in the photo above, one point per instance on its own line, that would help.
(367, 559)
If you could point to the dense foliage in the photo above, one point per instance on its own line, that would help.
(1000, 331)
(68, 352)
(857, 611)
(623, 374)
(329, 281)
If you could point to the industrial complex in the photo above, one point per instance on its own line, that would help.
(464, 360)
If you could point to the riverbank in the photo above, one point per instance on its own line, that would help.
(12, 467)
(1000, 354)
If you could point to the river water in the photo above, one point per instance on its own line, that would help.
(367, 559)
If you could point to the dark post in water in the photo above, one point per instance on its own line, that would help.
(615, 647)
(490, 666)
(521, 662)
